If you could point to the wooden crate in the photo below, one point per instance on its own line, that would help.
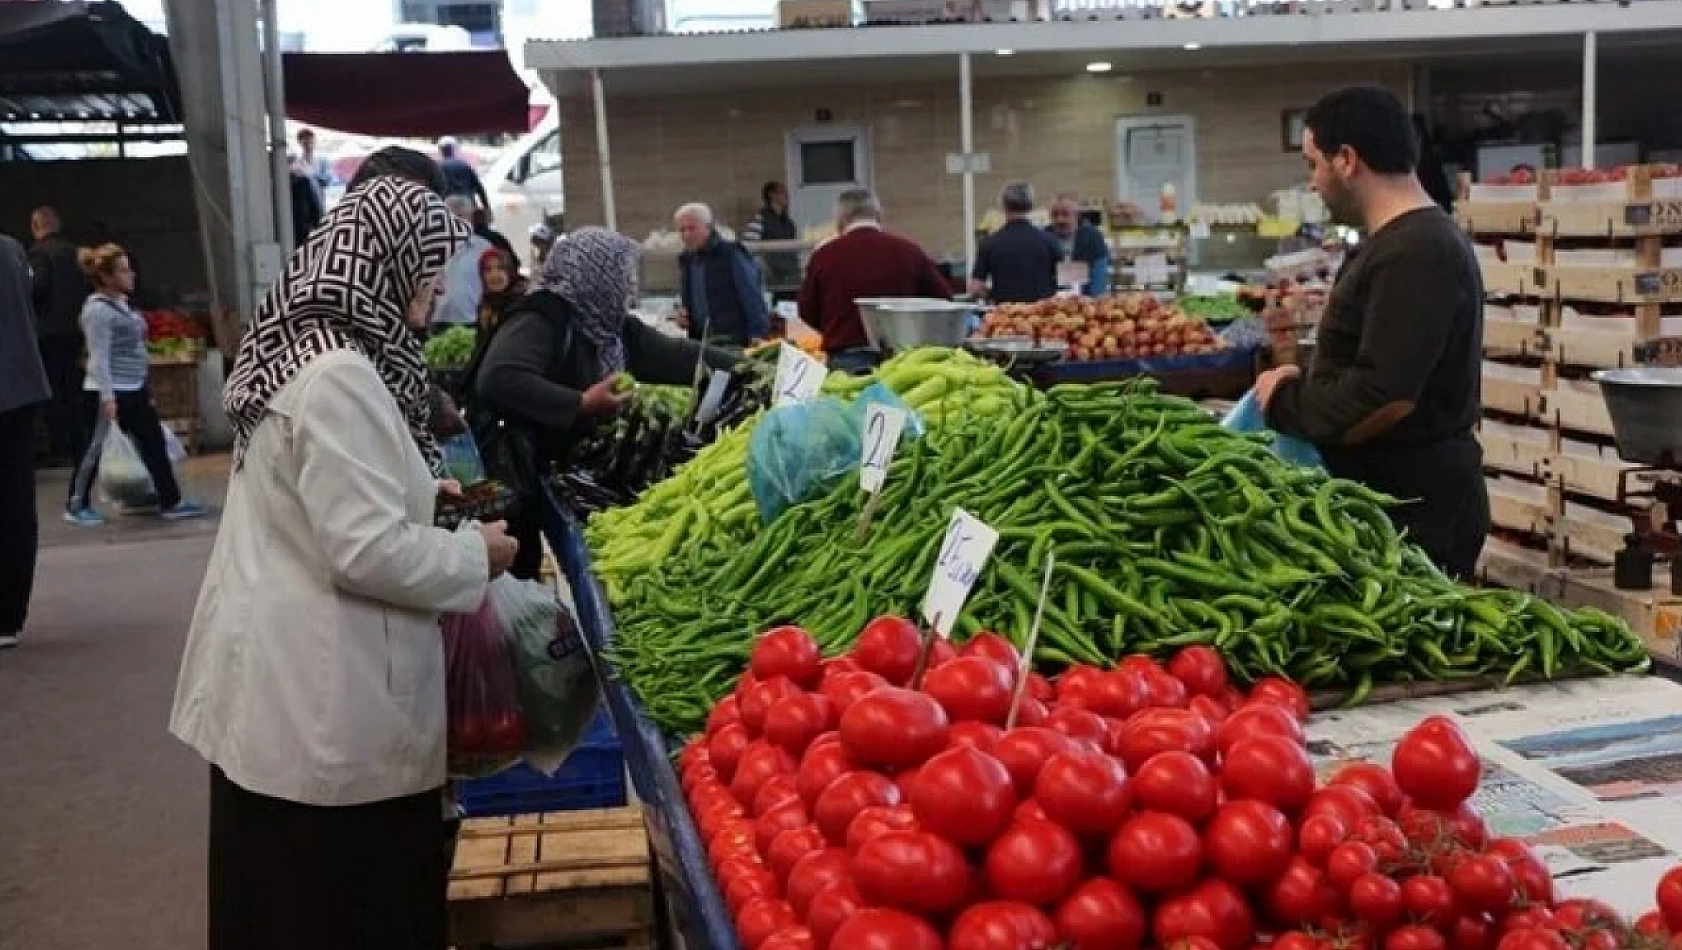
(1516, 512)
(1510, 338)
(1496, 217)
(1622, 218)
(1503, 564)
(1578, 407)
(1504, 279)
(1512, 396)
(1626, 283)
(1655, 615)
(1589, 540)
(565, 879)
(1600, 349)
(1516, 456)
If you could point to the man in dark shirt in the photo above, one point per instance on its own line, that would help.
(1081, 243)
(1392, 396)
(1018, 262)
(459, 176)
(863, 261)
(722, 295)
(59, 289)
(772, 223)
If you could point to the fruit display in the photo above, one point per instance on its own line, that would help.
(450, 349)
(854, 804)
(1583, 176)
(1167, 529)
(1215, 308)
(1125, 327)
(172, 333)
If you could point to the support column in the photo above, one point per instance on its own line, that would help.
(1591, 92)
(274, 96)
(604, 152)
(966, 147)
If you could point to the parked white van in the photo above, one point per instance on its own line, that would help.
(524, 183)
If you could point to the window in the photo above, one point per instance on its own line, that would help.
(544, 157)
(828, 163)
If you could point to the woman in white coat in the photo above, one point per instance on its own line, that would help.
(313, 680)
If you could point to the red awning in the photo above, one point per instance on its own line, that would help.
(418, 95)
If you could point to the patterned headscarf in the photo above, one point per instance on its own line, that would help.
(349, 288)
(595, 270)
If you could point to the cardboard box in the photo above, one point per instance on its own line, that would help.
(814, 14)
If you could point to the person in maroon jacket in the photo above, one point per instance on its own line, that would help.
(861, 261)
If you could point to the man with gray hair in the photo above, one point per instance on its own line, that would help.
(1084, 251)
(723, 296)
(459, 305)
(1018, 262)
(861, 261)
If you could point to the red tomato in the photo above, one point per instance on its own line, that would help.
(1301, 896)
(1482, 883)
(1281, 692)
(1537, 916)
(972, 688)
(1532, 938)
(893, 728)
(844, 689)
(1085, 792)
(1668, 896)
(1101, 915)
(1347, 803)
(727, 711)
(794, 721)
(848, 795)
(1078, 724)
(1177, 783)
(995, 648)
(1349, 861)
(1435, 764)
(1036, 863)
(760, 918)
(1471, 932)
(1024, 751)
(1155, 852)
(1001, 925)
(1270, 769)
(829, 909)
(1031, 712)
(1296, 940)
(941, 652)
(1586, 913)
(725, 749)
(1040, 688)
(1117, 694)
(813, 873)
(1652, 924)
(756, 703)
(1415, 937)
(910, 870)
(790, 814)
(1384, 835)
(790, 938)
(878, 820)
(1214, 910)
(760, 761)
(963, 795)
(1165, 691)
(836, 665)
(790, 845)
(1257, 719)
(1201, 669)
(1165, 730)
(789, 652)
(1248, 842)
(1376, 900)
(1428, 899)
(1076, 681)
(1209, 708)
(821, 765)
(881, 929)
(1318, 835)
(1376, 781)
(1030, 810)
(776, 790)
(976, 735)
(889, 647)
(747, 888)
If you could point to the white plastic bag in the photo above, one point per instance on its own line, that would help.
(172, 444)
(122, 475)
(556, 684)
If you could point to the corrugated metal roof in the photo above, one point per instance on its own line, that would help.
(79, 107)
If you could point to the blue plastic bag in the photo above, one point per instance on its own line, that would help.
(1247, 416)
(799, 451)
(879, 394)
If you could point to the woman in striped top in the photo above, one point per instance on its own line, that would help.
(116, 388)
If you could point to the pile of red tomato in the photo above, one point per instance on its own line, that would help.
(1146, 806)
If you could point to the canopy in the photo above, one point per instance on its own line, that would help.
(72, 62)
(418, 95)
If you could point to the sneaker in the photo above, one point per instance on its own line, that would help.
(84, 517)
(183, 510)
(8, 640)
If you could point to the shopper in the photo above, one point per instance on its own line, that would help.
(772, 223)
(23, 388)
(316, 168)
(542, 236)
(313, 677)
(482, 227)
(58, 289)
(502, 290)
(459, 176)
(1078, 242)
(307, 207)
(862, 261)
(116, 391)
(459, 304)
(1018, 262)
(400, 162)
(1392, 396)
(551, 370)
(722, 295)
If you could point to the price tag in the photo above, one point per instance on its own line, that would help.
(882, 428)
(1199, 230)
(1073, 274)
(798, 377)
(710, 400)
(963, 553)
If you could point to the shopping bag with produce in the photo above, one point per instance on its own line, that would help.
(1246, 416)
(553, 678)
(122, 475)
(486, 731)
(799, 451)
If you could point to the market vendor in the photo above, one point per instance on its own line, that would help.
(1018, 262)
(862, 261)
(1085, 253)
(552, 369)
(1392, 395)
(722, 294)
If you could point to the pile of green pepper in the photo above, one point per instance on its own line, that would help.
(1168, 530)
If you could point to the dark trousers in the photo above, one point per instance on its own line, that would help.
(140, 422)
(285, 876)
(19, 530)
(62, 357)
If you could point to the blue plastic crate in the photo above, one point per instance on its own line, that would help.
(593, 776)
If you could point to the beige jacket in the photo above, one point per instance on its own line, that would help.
(314, 669)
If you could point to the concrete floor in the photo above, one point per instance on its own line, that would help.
(102, 813)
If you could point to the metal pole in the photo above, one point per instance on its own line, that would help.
(604, 153)
(1591, 56)
(274, 92)
(966, 145)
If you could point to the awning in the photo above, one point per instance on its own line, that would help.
(417, 95)
(73, 62)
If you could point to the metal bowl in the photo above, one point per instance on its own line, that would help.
(1020, 350)
(1646, 408)
(903, 323)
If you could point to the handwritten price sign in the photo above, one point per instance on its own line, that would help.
(963, 553)
(882, 428)
(799, 377)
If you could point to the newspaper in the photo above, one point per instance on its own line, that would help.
(1588, 771)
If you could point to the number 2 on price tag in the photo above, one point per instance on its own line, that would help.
(882, 428)
(798, 376)
(963, 553)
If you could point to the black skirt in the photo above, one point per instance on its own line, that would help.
(285, 876)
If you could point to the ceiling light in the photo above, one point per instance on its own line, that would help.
(1005, 52)
(1099, 67)
(1192, 46)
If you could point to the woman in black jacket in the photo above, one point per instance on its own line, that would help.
(549, 371)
